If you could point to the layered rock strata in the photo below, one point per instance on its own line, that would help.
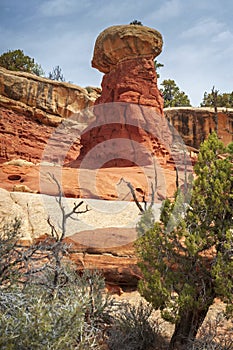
(25, 138)
(130, 125)
(195, 124)
(44, 100)
(32, 107)
(110, 250)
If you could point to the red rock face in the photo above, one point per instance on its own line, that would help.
(130, 126)
(133, 81)
(195, 124)
(23, 137)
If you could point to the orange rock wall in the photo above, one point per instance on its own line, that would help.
(138, 118)
(133, 81)
(195, 124)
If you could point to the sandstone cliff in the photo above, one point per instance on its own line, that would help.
(195, 124)
(32, 107)
(44, 100)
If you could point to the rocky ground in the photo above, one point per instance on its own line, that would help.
(214, 323)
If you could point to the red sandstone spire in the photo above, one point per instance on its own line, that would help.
(130, 126)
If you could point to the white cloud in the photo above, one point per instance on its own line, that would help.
(163, 13)
(204, 28)
(224, 37)
(169, 9)
(53, 8)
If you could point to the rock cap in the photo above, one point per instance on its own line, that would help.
(122, 42)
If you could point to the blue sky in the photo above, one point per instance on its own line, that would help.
(198, 37)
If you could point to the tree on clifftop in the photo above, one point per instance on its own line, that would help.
(222, 100)
(56, 74)
(172, 95)
(136, 23)
(16, 60)
(187, 258)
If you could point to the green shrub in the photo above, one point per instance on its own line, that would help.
(31, 319)
(16, 60)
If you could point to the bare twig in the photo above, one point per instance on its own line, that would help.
(133, 193)
(65, 215)
(132, 190)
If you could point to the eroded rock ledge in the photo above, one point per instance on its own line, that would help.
(110, 250)
(43, 100)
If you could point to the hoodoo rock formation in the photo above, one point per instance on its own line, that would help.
(126, 55)
(130, 106)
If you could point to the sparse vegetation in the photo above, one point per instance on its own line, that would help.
(214, 98)
(133, 328)
(44, 302)
(136, 22)
(16, 60)
(56, 74)
(210, 338)
(73, 319)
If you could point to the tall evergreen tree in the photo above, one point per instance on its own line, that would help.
(172, 95)
(187, 258)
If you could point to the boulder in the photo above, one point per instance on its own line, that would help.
(122, 42)
(108, 249)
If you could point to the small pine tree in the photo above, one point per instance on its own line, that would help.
(157, 66)
(186, 258)
(172, 95)
(16, 60)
